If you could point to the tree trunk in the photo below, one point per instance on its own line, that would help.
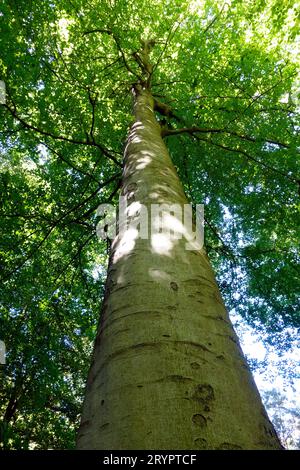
(167, 369)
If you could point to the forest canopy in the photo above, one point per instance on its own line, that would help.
(226, 82)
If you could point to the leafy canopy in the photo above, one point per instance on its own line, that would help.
(229, 74)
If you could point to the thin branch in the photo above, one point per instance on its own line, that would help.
(62, 138)
(73, 258)
(93, 102)
(106, 31)
(31, 253)
(53, 226)
(267, 90)
(70, 164)
(249, 157)
(61, 79)
(124, 58)
(168, 40)
(93, 208)
(110, 33)
(78, 221)
(195, 129)
(215, 18)
(230, 80)
(225, 248)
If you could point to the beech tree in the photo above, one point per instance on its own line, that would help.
(163, 103)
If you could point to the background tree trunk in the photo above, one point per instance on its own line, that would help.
(167, 369)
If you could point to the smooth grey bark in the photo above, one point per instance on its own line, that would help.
(167, 369)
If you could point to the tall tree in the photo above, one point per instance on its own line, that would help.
(169, 358)
(221, 83)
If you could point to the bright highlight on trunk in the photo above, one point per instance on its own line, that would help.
(167, 369)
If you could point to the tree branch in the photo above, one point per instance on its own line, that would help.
(54, 224)
(73, 257)
(93, 104)
(110, 33)
(62, 138)
(215, 18)
(70, 164)
(224, 248)
(195, 129)
(249, 157)
(106, 31)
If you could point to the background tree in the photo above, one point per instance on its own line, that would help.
(285, 418)
(229, 73)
